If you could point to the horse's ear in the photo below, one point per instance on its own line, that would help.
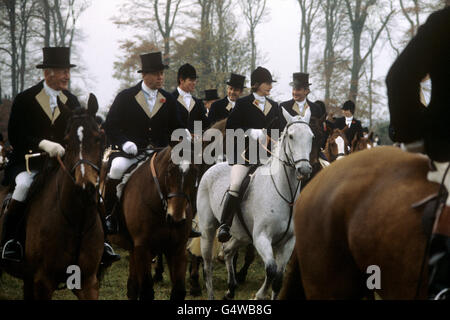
(92, 105)
(286, 115)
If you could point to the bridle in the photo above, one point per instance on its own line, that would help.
(164, 198)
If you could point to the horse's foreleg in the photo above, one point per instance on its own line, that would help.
(249, 258)
(230, 250)
(207, 248)
(282, 255)
(177, 265)
(264, 247)
(194, 266)
(89, 289)
(159, 269)
(43, 288)
(132, 284)
(142, 263)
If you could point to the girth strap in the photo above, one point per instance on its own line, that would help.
(155, 179)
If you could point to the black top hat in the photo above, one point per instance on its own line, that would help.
(211, 94)
(349, 105)
(261, 75)
(152, 62)
(187, 71)
(300, 80)
(236, 81)
(56, 57)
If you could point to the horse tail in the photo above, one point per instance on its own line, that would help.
(292, 288)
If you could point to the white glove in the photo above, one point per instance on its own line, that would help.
(130, 148)
(52, 148)
(257, 134)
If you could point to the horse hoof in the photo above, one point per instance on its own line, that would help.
(228, 296)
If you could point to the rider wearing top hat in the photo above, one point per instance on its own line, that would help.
(299, 104)
(221, 109)
(418, 126)
(141, 116)
(37, 123)
(253, 114)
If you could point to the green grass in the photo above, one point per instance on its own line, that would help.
(114, 283)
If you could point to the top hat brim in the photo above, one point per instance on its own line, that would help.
(234, 85)
(56, 66)
(298, 84)
(154, 69)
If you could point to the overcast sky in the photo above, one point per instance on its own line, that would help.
(277, 38)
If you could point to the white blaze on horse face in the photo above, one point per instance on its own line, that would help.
(184, 166)
(80, 137)
(340, 144)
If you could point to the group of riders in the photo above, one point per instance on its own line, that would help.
(146, 115)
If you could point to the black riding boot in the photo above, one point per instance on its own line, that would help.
(12, 249)
(112, 225)
(229, 208)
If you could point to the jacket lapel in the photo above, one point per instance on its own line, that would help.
(160, 99)
(181, 100)
(296, 108)
(229, 106)
(140, 98)
(191, 106)
(267, 107)
(44, 101)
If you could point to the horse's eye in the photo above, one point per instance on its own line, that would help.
(291, 137)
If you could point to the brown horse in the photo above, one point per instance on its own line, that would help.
(156, 216)
(358, 213)
(63, 226)
(337, 144)
(362, 142)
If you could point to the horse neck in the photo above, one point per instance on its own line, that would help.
(282, 175)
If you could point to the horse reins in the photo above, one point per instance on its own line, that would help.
(163, 198)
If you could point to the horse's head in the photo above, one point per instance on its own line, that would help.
(84, 143)
(296, 141)
(337, 144)
(362, 141)
(180, 185)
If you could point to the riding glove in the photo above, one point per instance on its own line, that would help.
(52, 148)
(130, 148)
(256, 134)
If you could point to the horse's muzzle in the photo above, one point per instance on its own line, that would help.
(175, 223)
(304, 171)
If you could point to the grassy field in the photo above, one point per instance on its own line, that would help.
(114, 284)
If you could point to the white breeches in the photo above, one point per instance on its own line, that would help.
(238, 173)
(119, 165)
(23, 183)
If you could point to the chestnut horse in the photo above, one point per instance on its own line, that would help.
(362, 142)
(358, 213)
(63, 226)
(156, 215)
(336, 145)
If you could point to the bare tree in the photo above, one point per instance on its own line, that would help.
(357, 15)
(333, 11)
(254, 11)
(309, 12)
(170, 12)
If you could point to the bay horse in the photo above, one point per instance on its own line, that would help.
(336, 145)
(362, 142)
(358, 213)
(156, 215)
(266, 208)
(62, 225)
